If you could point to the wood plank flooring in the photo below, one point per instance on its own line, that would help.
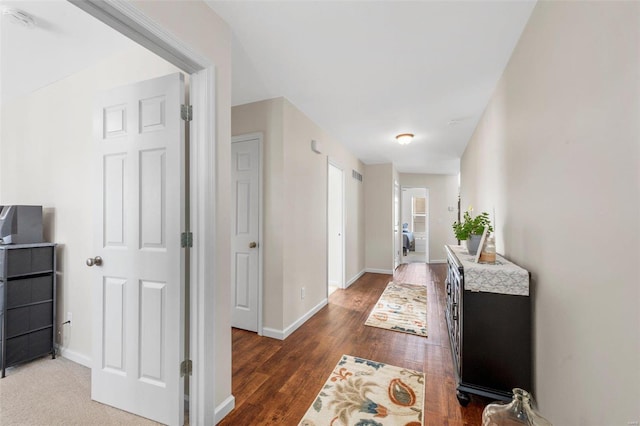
(275, 382)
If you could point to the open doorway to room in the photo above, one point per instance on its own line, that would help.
(415, 225)
(63, 136)
(335, 227)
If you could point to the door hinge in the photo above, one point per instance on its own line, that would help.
(186, 239)
(185, 368)
(186, 112)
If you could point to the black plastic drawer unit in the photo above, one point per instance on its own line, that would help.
(27, 302)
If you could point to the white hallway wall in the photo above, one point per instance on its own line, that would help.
(443, 193)
(378, 190)
(295, 209)
(557, 154)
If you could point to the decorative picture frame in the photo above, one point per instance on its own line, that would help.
(481, 245)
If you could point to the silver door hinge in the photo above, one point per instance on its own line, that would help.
(185, 368)
(186, 112)
(186, 239)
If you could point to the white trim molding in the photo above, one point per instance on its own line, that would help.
(225, 408)
(437, 261)
(355, 278)
(204, 262)
(128, 20)
(76, 357)
(379, 271)
(283, 334)
(273, 333)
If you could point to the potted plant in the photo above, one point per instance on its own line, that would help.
(471, 228)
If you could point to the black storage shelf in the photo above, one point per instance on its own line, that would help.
(29, 275)
(27, 302)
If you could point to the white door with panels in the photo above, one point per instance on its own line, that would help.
(138, 263)
(245, 233)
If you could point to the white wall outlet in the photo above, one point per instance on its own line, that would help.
(69, 317)
(302, 293)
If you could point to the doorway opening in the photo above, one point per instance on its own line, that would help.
(415, 225)
(127, 19)
(335, 227)
(397, 235)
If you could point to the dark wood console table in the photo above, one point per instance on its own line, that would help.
(489, 320)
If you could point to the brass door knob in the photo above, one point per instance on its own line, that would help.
(253, 244)
(94, 261)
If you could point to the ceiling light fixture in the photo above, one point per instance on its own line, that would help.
(19, 17)
(404, 138)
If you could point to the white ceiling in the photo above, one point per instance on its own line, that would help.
(362, 70)
(365, 71)
(64, 41)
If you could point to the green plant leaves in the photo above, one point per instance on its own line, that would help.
(471, 225)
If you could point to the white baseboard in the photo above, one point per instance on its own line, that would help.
(379, 271)
(283, 334)
(224, 409)
(438, 261)
(75, 357)
(355, 278)
(273, 333)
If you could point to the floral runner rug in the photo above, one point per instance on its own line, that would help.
(402, 307)
(360, 392)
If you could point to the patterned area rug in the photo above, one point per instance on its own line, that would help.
(360, 392)
(402, 307)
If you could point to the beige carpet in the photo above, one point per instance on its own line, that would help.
(363, 392)
(55, 392)
(402, 307)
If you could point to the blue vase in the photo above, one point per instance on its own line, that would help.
(472, 244)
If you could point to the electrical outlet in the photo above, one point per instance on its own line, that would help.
(302, 293)
(69, 317)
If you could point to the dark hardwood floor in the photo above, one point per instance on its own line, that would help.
(275, 382)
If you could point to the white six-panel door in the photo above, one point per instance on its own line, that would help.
(138, 338)
(245, 233)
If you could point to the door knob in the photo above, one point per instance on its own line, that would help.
(94, 261)
(253, 244)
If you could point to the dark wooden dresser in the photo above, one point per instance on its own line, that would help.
(27, 302)
(489, 320)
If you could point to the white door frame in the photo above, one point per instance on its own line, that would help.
(337, 165)
(128, 20)
(260, 138)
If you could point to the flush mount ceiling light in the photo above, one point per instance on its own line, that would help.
(404, 138)
(19, 17)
